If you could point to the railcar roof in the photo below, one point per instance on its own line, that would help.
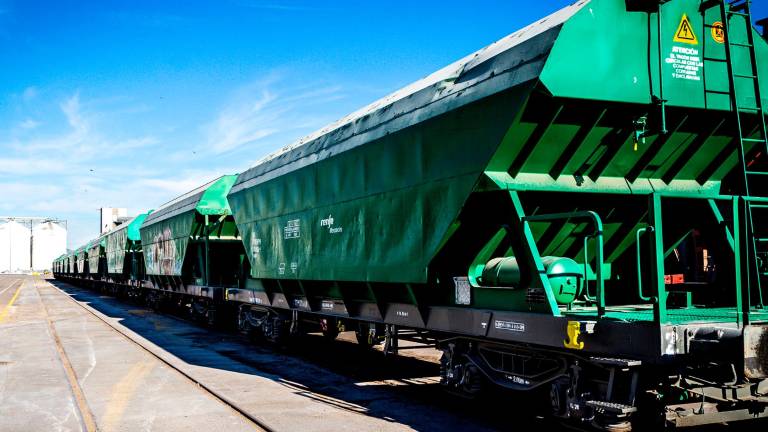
(210, 198)
(439, 88)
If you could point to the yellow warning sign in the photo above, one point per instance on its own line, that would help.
(718, 34)
(684, 33)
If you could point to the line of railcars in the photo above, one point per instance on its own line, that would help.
(576, 210)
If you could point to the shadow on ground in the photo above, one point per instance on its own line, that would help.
(339, 373)
(399, 389)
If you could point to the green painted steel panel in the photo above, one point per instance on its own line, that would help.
(165, 232)
(214, 199)
(95, 252)
(377, 212)
(560, 106)
(82, 257)
(606, 53)
(165, 244)
(124, 238)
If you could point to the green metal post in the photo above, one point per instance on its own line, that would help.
(531, 253)
(741, 271)
(651, 299)
(597, 225)
(720, 220)
(657, 261)
(206, 274)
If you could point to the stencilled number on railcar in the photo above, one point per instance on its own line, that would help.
(509, 326)
(255, 246)
(292, 229)
(281, 269)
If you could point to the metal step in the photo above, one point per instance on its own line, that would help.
(611, 407)
(609, 361)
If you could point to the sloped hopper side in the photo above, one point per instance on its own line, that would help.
(372, 197)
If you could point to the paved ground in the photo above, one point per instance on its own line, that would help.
(61, 369)
(64, 369)
(74, 360)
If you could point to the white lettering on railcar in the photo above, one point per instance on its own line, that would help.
(509, 326)
(292, 229)
(686, 63)
(255, 246)
(281, 268)
(328, 222)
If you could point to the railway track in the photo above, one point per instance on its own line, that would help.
(88, 421)
(311, 353)
(408, 377)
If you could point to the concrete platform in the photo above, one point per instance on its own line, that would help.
(74, 360)
(61, 369)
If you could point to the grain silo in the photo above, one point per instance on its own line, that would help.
(30, 243)
(49, 240)
(14, 246)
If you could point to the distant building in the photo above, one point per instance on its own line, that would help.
(30, 243)
(112, 217)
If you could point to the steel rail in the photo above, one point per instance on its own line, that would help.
(213, 393)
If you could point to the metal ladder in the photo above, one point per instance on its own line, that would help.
(758, 241)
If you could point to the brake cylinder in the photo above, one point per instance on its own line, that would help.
(566, 276)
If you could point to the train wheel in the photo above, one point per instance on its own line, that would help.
(331, 327)
(368, 335)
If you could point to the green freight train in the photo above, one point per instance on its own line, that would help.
(577, 209)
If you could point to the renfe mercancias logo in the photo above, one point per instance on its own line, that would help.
(328, 222)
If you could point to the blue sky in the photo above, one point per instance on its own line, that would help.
(131, 103)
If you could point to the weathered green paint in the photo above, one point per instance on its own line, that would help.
(95, 253)
(414, 192)
(126, 238)
(165, 233)
(374, 213)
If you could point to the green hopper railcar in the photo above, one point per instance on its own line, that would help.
(578, 207)
(124, 257)
(191, 247)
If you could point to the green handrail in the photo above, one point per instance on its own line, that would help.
(652, 299)
(597, 224)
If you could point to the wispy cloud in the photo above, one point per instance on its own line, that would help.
(74, 165)
(29, 124)
(266, 108)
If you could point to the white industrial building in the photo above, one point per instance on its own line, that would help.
(30, 243)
